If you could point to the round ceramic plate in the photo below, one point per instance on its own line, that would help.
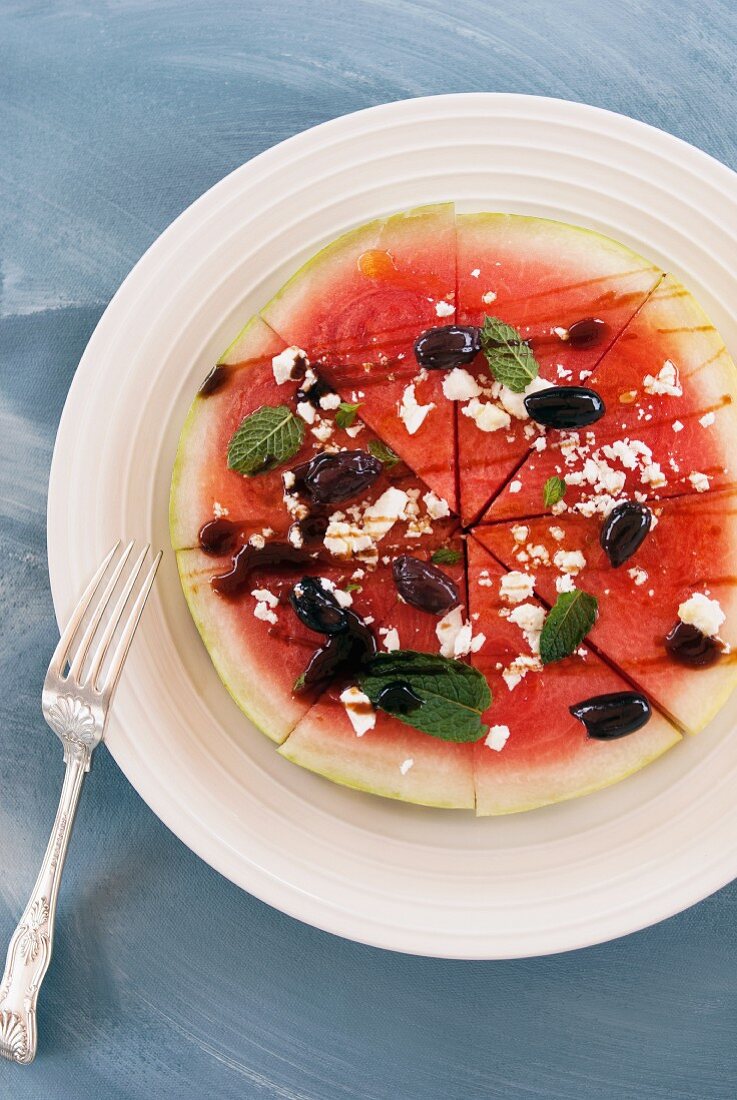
(397, 876)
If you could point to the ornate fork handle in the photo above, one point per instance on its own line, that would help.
(29, 952)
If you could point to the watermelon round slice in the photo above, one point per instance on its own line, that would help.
(544, 754)
(670, 390)
(541, 277)
(692, 549)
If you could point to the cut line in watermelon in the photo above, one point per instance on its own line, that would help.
(356, 311)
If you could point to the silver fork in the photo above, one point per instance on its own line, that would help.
(79, 685)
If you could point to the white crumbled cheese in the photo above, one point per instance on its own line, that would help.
(323, 430)
(406, 765)
(257, 541)
(558, 533)
(380, 517)
(515, 587)
(437, 508)
(410, 412)
(538, 553)
(295, 536)
(330, 401)
(219, 510)
(478, 640)
(343, 599)
(347, 540)
(707, 420)
(563, 372)
(391, 638)
(519, 668)
(561, 333)
(565, 583)
(307, 412)
(497, 738)
(361, 714)
(358, 536)
(677, 426)
(705, 614)
(354, 430)
(288, 478)
(284, 363)
(540, 443)
(653, 475)
(444, 309)
(264, 612)
(485, 580)
(569, 561)
(488, 298)
(529, 617)
(514, 403)
(699, 481)
(639, 576)
(665, 382)
(264, 596)
(459, 385)
(515, 486)
(621, 450)
(487, 416)
(520, 532)
(456, 636)
(475, 273)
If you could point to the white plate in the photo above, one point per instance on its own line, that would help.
(397, 876)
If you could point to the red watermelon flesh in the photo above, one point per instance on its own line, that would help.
(691, 549)
(258, 660)
(384, 277)
(390, 759)
(683, 443)
(540, 277)
(384, 382)
(203, 486)
(548, 756)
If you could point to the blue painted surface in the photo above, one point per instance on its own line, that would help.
(167, 981)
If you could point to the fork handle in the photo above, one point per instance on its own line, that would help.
(29, 952)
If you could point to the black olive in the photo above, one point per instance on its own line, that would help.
(565, 406)
(398, 698)
(317, 607)
(218, 536)
(447, 346)
(689, 646)
(215, 380)
(424, 585)
(587, 332)
(313, 527)
(331, 478)
(248, 558)
(624, 530)
(341, 655)
(608, 717)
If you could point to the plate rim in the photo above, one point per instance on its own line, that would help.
(267, 888)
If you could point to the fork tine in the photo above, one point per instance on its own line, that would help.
(115, 616)
(57, 661)
(77, 662)
(121, 650)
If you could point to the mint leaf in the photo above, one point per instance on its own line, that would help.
(346, 415)
(509, 358)
(445, 555)
(383, 453)
(352, 586)
(567, 624)
(454, 695)
(265, 439)
(554, 490)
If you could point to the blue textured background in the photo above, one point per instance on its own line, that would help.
(167, 981)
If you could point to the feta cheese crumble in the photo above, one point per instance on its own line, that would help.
(488, 298)
(444, 309)
(699, 481)
(707, 420)
(497, 738)
(487, 416)
(283, 365)
(569, 561)
(437, 508)
(459, 385)
(515, 587)
(411, 413)
(330, 401)
(529, 617)
(361, 714)
(665, 382)
(307, 412)
(456, 636)
(705, 614)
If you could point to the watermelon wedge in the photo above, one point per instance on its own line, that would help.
(352, 434)
(387, 277)
(543, 754)
(542, 277)
(692, 549)
(670, 390)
